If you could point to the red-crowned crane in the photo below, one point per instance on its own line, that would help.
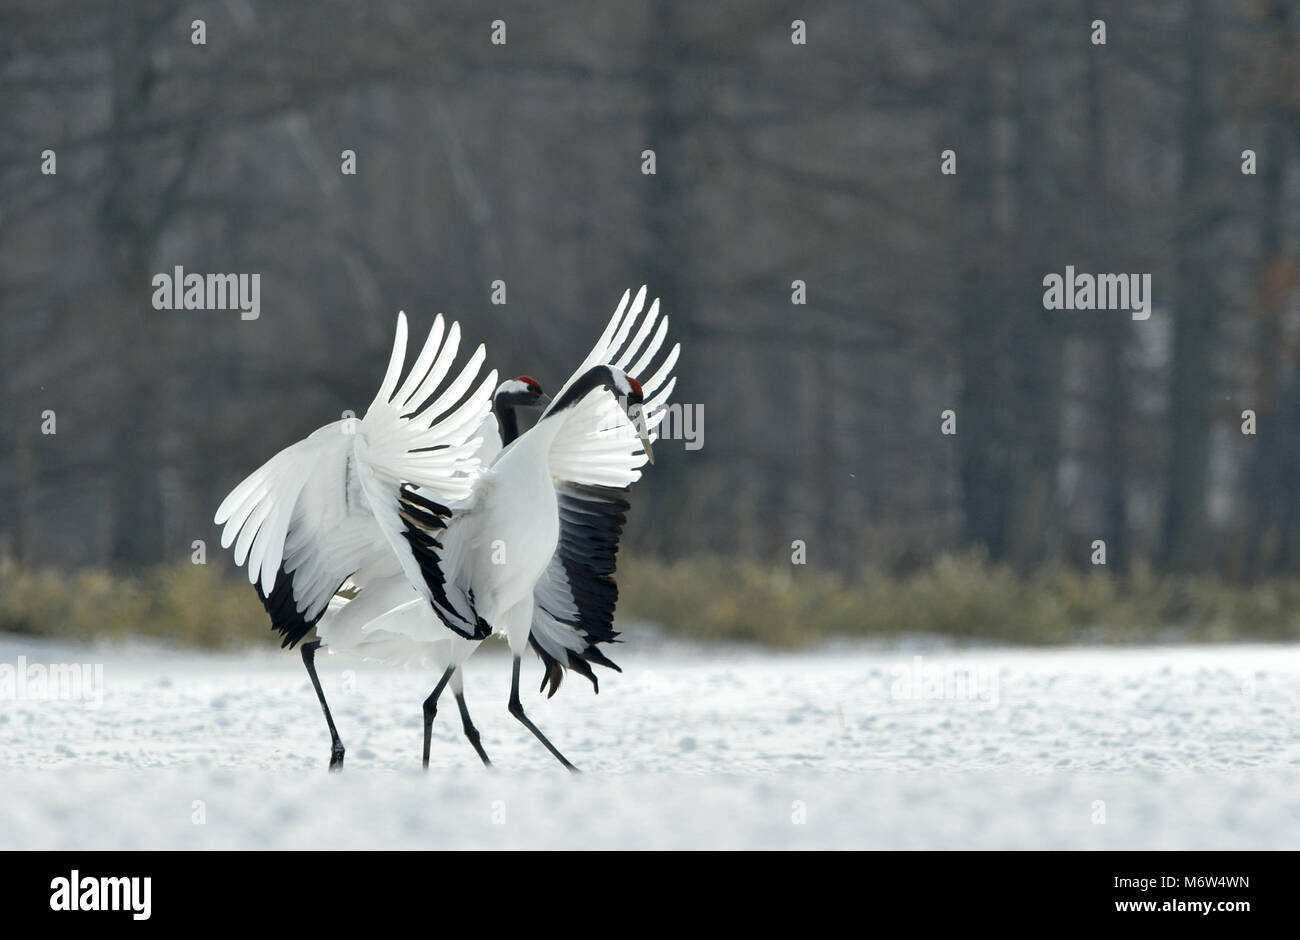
(391, 621)
(531, 552)
(325, 514)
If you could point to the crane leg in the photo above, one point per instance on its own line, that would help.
(431, 711)
(336, 745)
(517, 709)
(470, 731)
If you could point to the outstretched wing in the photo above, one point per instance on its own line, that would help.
(328, 508)
(598, 444)
(594, 460)
(440, 556)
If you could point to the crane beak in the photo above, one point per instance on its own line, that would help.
(645, 443)
(543, 399)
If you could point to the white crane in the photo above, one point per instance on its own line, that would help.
(531, 552)
(324, 515)
(386, 615)
(392, 622)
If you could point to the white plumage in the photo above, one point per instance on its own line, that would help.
(325, 511)
(530, 552)
(442, 535)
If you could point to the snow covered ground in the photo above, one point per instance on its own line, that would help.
(842, 747)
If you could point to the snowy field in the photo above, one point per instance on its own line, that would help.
(842, 747)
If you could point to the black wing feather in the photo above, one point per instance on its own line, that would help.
(423, 517)
(283, 608)
(591, 524)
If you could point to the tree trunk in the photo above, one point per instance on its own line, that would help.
(983, 461)
(1185, 529)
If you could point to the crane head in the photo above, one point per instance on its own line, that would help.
(523, 391)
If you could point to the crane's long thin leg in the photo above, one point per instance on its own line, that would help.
(470, 731)
(431, 710)
(517, 709)
(336, 745)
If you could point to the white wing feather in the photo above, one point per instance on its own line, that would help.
(598, 444)
(326, 508)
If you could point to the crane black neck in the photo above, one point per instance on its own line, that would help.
(507, 420)
(595, 377)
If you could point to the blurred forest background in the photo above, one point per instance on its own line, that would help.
(776, 162)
